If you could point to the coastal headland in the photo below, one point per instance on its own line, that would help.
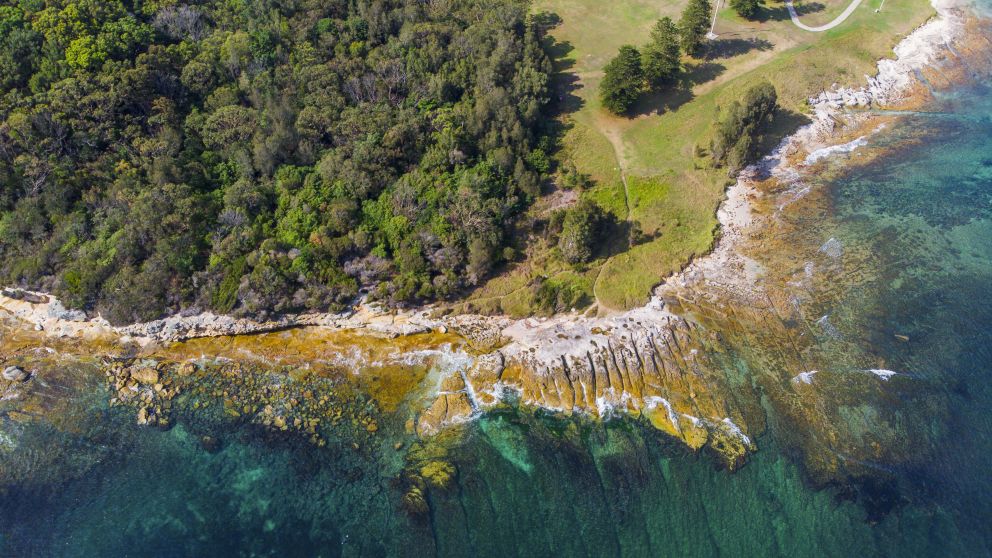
(675, 360)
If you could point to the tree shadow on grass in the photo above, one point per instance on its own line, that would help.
(564, 102)
(558, 52)
(671, 97)
(784, 123)
(615, 238)
(564, 84)
(661, 101)
(729, 48)
(781, 12)
(701, 72)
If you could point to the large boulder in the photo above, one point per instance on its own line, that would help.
(147, 376)
(15, 374)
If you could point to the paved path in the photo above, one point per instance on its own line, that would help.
(840, 19)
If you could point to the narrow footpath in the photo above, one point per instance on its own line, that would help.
(837, 21)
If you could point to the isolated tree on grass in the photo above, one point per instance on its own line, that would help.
(580, 232)
(747, 9)
(693, 25)
(661, 57)
(623, 81)
(739, 132)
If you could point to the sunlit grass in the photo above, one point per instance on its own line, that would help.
(673, 192)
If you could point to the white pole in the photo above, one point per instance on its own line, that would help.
(716, 9)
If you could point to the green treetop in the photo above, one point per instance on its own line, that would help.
(661, 57)
(623, 80)
(739, 133)
(259, 157)
(747, 9)
(580, 232)
(693, 25)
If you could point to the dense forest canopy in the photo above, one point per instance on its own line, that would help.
(260, 156)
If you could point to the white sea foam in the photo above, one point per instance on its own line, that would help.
(832, 150)
(653, 401)
(882, 373)
(609, 403)
(736, 430)
(473, 398)
(604, 407)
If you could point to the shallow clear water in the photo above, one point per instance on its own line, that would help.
(527, 484)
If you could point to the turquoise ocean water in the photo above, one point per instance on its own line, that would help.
(529, 484)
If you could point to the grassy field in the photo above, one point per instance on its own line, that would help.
(645, 167)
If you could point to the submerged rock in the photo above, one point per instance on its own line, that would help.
(148, 376)
(447, 409)
(414, 502)
(210, 444)
(438, 473)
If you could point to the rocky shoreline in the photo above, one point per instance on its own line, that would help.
(46, 313)
(653, 361)
(897, 84)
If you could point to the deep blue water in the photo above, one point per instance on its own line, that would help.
(534, 485)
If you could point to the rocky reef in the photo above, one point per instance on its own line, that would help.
(650, 363)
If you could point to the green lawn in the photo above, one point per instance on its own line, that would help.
(673, 194)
